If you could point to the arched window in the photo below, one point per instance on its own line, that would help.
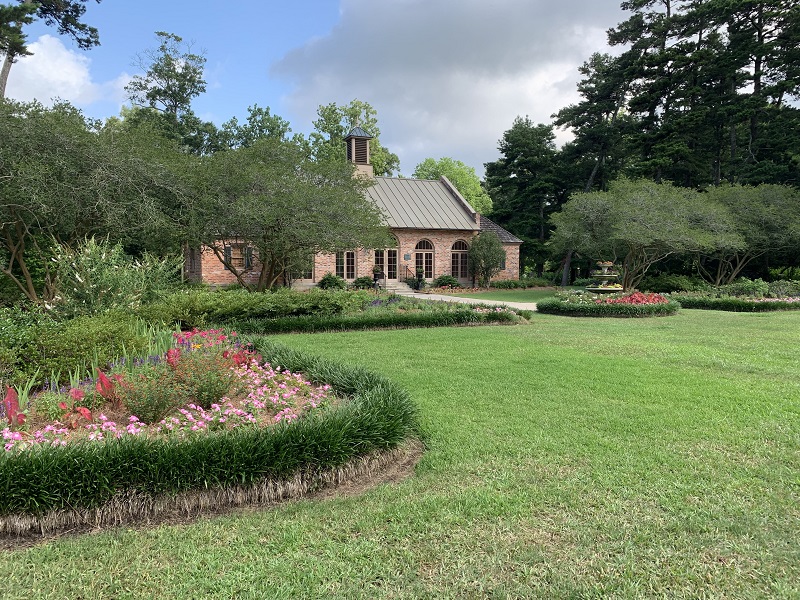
(458, 260)
(386, 260)
(423, 258)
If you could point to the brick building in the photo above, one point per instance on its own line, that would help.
(431, 222)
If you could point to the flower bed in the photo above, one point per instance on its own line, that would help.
(584, 304)
(710, 301)
(52, 485)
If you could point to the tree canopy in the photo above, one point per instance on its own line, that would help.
(460, 175)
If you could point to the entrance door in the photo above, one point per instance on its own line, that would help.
(423, 258)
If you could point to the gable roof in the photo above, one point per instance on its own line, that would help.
(505, 236)
(422, 204)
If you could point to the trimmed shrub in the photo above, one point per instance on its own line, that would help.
(363, 283)
(703, 301)
(329, 281)
(201, 308)
(784, 289)
(446, 281)
(368, 320)
(82, 342)
(377, 415)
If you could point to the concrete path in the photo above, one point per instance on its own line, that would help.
(448, 298)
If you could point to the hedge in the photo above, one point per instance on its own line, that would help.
(398, 320)
(732, 304)
(376, 416)
(554, 306)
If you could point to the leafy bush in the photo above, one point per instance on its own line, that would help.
(363, 283)
(707, 301)
(666, 282)
(446, 281)
(200, 308)
(153, 393)
(377, 416)
(329, 281)
(99, 277)
(81, 342)
(784, 289)
(757, 288)
(584, 282)
(522, 283)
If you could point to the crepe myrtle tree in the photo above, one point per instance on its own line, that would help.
(485, 257)
(641, 223)
(275, 199)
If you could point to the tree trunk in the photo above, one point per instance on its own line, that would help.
(7, 61)
(566, 268)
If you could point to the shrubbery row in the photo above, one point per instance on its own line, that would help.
(729, 303)
(313, 323)
(555, 306)
(201, 308)
(377, 415)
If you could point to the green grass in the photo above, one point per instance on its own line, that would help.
(531, 295)
(568, 458)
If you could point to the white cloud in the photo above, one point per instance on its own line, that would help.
(53, 71)
(447, 79)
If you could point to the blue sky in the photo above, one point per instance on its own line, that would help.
(447, 77)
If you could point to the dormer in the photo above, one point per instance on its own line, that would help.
(358, 150)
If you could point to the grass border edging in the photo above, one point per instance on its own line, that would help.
(68, 485)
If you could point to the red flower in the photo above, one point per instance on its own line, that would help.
(173, 356)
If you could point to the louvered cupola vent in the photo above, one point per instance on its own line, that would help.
(357, 142)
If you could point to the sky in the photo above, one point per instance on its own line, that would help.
(447, 77)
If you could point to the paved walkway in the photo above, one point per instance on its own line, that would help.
(448, 298)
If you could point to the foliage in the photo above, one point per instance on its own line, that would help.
(642, 222)
(335, 122)
(152, 394)
(65, 14)
(329, 281)
(522, 283)
(462, 176)
(173, 77)
(446, 281)
(526, 186)
(363, 283)
(81, 342)
(486, 255)
(768, 219)
(62, 180)
(199, 308)
(585, 304)
(272, 197)
(668, 282)
(710, 301)
(745, 287)
(378, 416)
(98, 277)
(390, 319)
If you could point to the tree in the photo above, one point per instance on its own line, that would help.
(641, 223)
(275, 199)
(526, 186)
(62, 180)
(260, 124)
(461, 176)
(163, 95)
(65, 14)
(485, 257)
(768, 219)
(335, 122)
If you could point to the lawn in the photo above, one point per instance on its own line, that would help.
(527, 295)
(567, 458)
